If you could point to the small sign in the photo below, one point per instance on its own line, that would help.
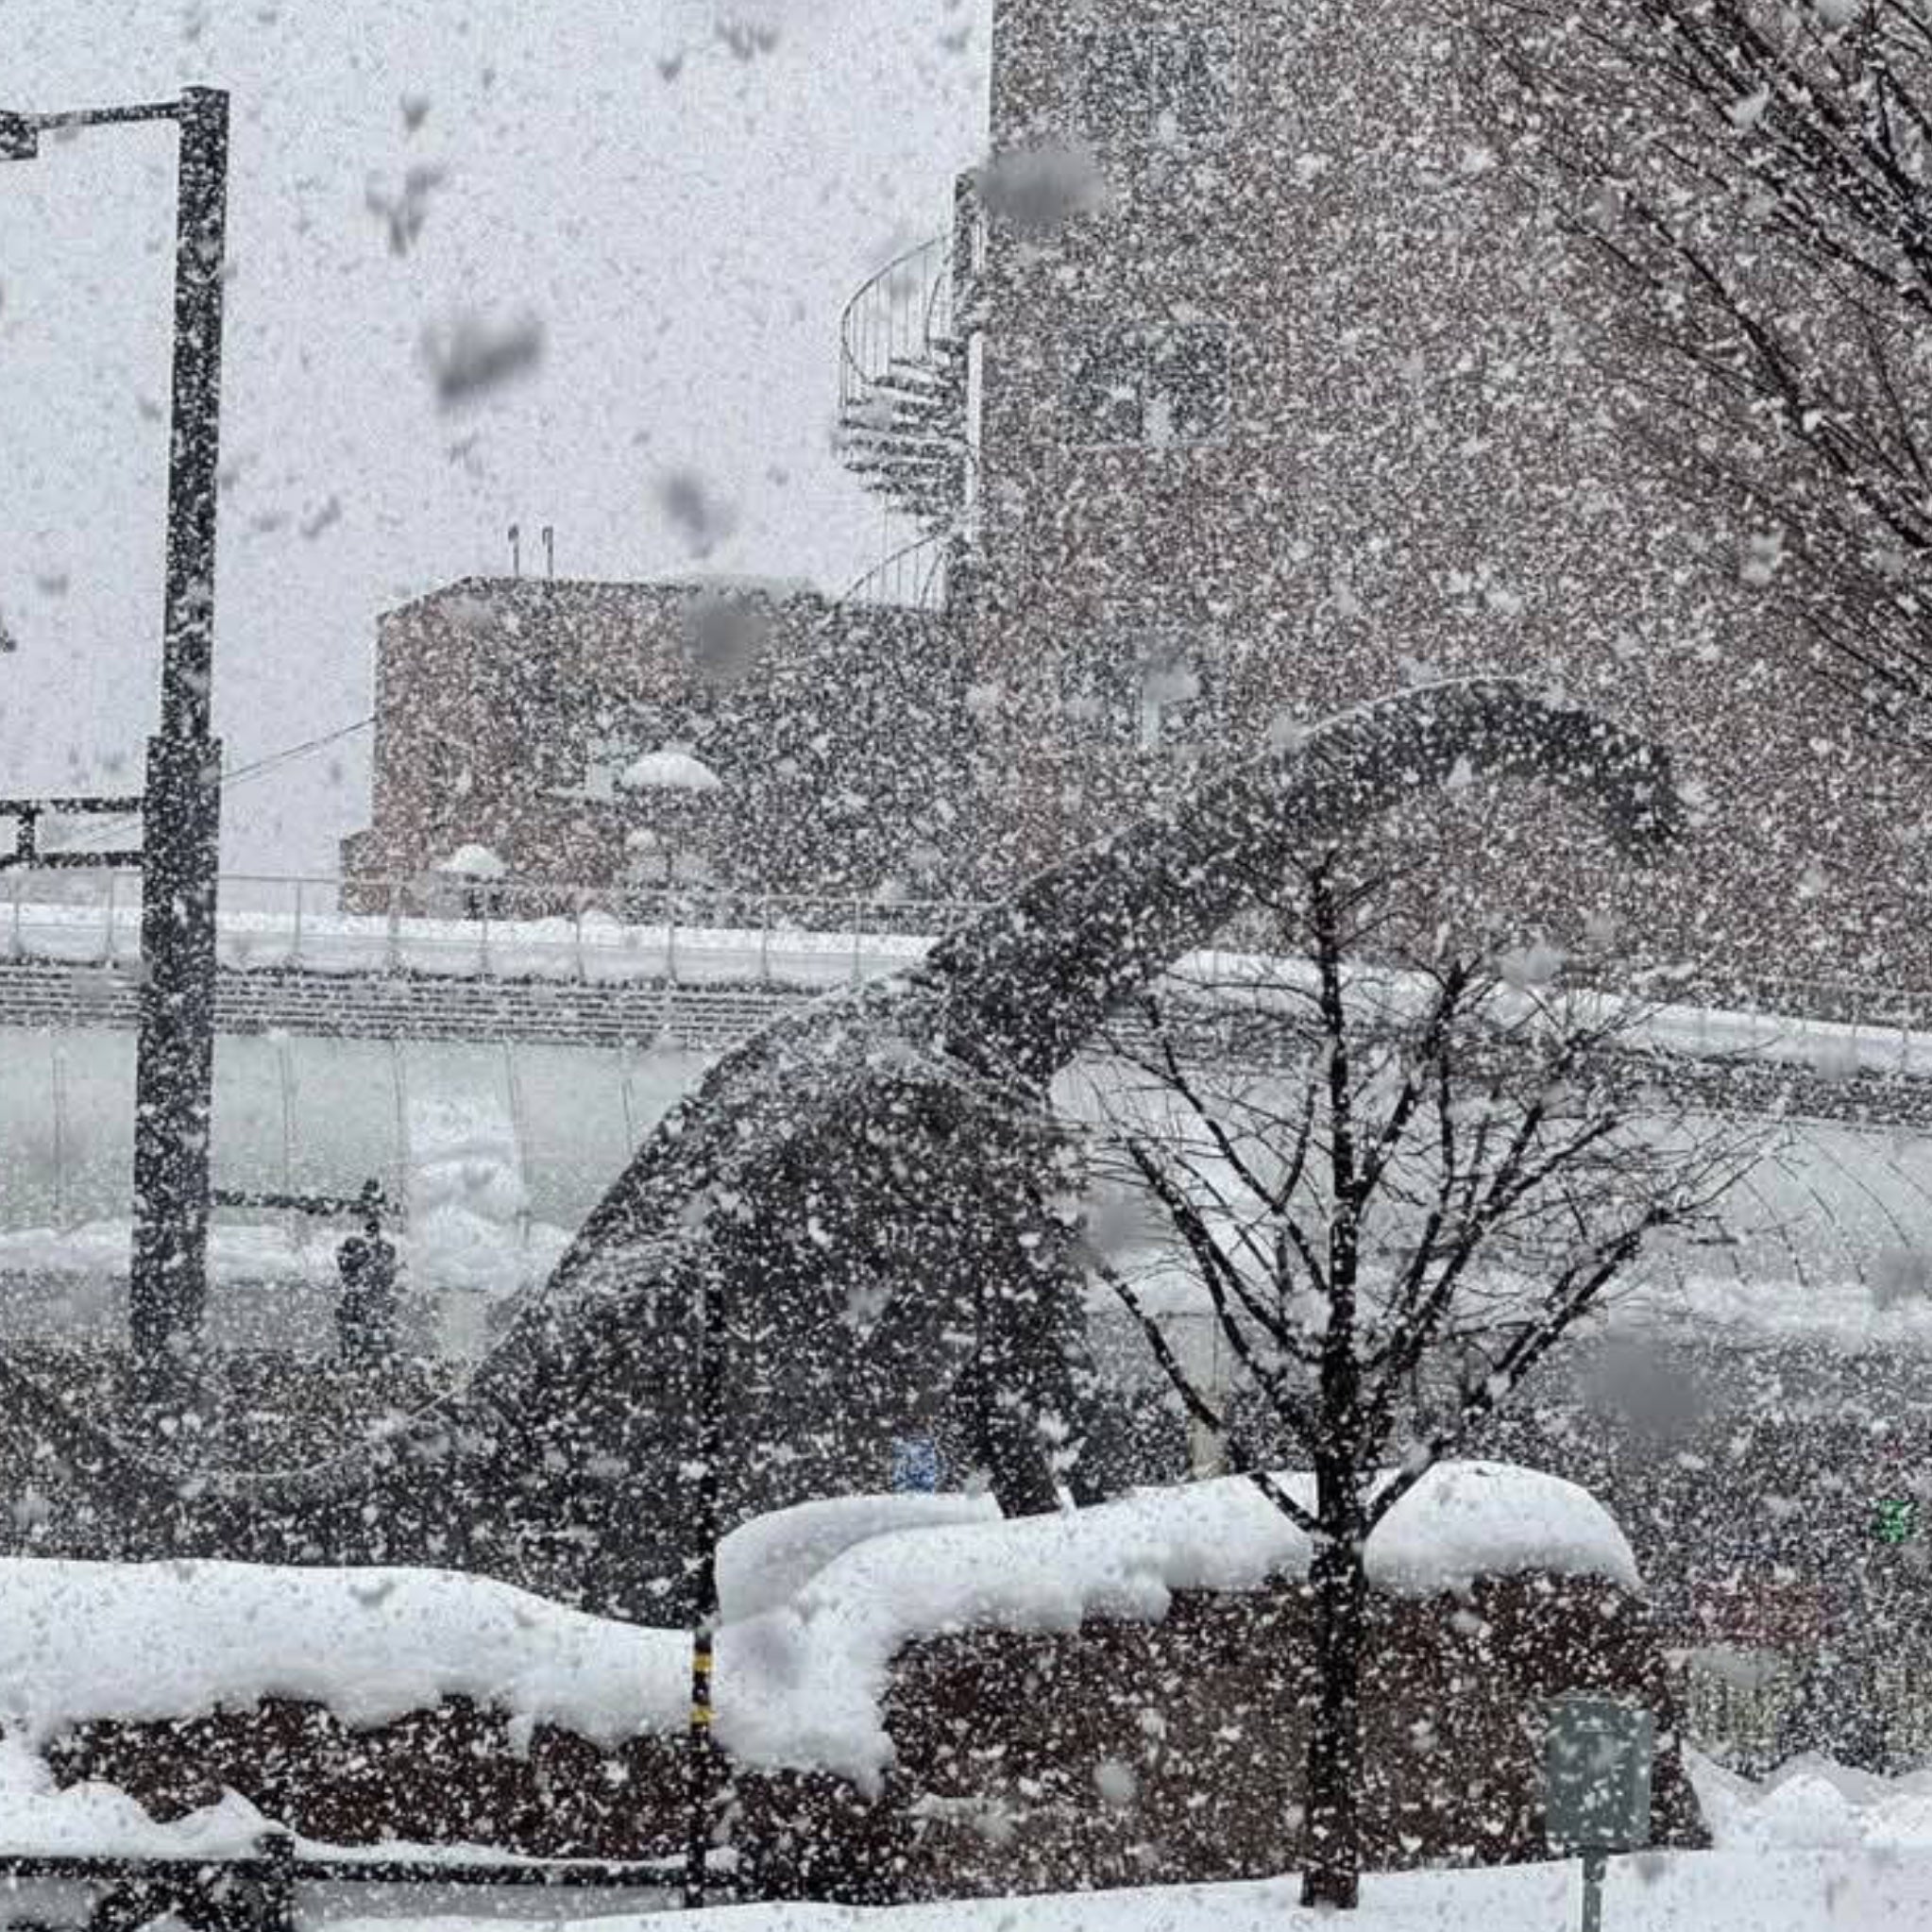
(1597, 1775)
(916, 1465)
(1896, 1521)
(1597, 1787)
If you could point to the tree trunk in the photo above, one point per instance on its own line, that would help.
(1331, 1866)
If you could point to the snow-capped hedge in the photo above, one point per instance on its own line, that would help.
(818, 1603)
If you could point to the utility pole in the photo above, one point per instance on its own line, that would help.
(180, 801)
(705, 1474)
(174, 1076)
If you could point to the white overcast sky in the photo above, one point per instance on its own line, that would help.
(686, 243)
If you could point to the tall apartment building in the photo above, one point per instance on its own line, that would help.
(1291, 409)
(1302, 413)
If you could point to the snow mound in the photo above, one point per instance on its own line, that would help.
(1469, 1520)
(87, 1641)
(670, 770)
(96, 1820)
(766, 1562)
(1816, 1805)
(473, 862)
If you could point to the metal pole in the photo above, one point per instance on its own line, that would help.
(181, 802)
(1594, 1866)
(702, 1766)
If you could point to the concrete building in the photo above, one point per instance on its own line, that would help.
(1237, 391)
(537, 740)
(1297, 410)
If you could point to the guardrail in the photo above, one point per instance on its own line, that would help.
(255, 1891)
(553, 931)
(698, 935)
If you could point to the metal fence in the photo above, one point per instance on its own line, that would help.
(1745, 1709)
(539, 930)
(717, 935)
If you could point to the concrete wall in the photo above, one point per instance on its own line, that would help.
(507, 710)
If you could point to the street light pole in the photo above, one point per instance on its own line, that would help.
(174, 1082)
(174, 1076)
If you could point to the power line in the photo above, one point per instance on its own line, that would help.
(289, 754)
(107, 830)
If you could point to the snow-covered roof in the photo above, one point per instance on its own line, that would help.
(670, 770)
(473, 862)
(818, 1602)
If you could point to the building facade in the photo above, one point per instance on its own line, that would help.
(537, 740)
(1295, 409)
(1241, 389)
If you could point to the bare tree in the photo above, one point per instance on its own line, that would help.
(1750, 181)
(1397, 1188)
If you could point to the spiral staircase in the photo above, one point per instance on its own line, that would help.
(904, 412)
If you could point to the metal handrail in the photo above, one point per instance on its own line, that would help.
(875, 585)
(278, 1864)
(302, 909)
(935, 288)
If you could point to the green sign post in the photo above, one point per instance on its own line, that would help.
(1597, 1759)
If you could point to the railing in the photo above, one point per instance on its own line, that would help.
(917, 315)
(255, 1890)
(1746, 1709)
(914, 577)
(896, 315)
(515, 930)
(716, 936)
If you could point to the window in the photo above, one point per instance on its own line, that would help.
(1159, 83)
(1168, 698)
(1145, 689)
(1158, 387)
(605, 758)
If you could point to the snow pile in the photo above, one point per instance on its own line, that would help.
(819, 1600)
(473, 862)
(1814, 1805)
(765, 1563)
(1466, 1521)
(670, 770)
(97, 1821)
(93, 1820)
(804, 1682)
(86, 1641)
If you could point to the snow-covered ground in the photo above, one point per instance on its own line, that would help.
(1818, 1849)
(817, 1599)
(1791, 1891)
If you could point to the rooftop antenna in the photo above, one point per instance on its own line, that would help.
(549, 551)
(515, 550)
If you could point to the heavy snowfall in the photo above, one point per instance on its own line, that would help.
(963, 963)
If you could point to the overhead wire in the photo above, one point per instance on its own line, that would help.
(106, 830)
